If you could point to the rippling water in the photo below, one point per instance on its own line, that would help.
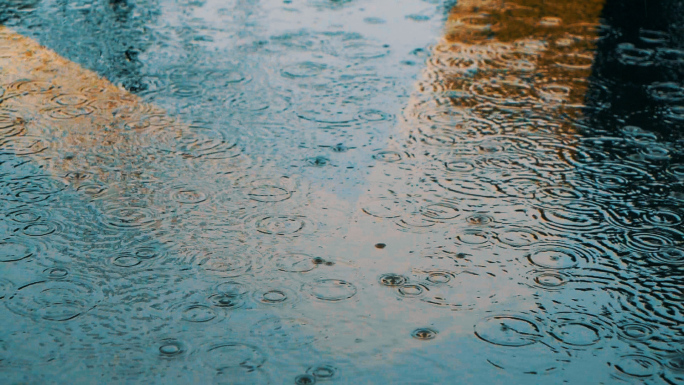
(341, 191)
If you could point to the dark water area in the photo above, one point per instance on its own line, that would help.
(343, 192)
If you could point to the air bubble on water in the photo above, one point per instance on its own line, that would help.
(304, 379)
(424, 334)
(391, 279)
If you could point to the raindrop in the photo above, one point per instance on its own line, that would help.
(410, 290)
(459, 166)
(322, 372)
(318, 161)
(670, 56)
(676, 363)
(440, 211)
(171, 348)
(32, 86)
(574, 61)
(305, 379)
(392, 279)
(70, 112)
(22, 145)
(388, 156)
(305, 69)
(374, 115)
(40, 229)
(232, 263)
(56, 272)
(331, 289)
(364, 50)
(296, 263)
(424, 334)
(57, 300)
(202, 143)
(473, 237)
(327, 114)
(654, 240)
(6, 288)
(198, 313)
(630, 55)
(635, 331)
(226, 356)
(273, 296)
(508, 330)
(666, 92)
(283, 225)
(554, 92)
(27, 215)
(572, 219)
(549, 21)
(518, 237)
(556, 257)
(669, 255)
(129, 217)
(653, 37)
(439, 277)
(15, 250)
(549, 280)
(637, 366)
(663, 218)
(267, 193)
(579, 330)
(479, 219)
(225, 301)
(231, 288)
(188, 196)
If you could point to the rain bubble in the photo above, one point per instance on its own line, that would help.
(171, 348)
(424, 334)
(305, 379)
(392, 279)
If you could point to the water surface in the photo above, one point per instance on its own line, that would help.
(352, 192)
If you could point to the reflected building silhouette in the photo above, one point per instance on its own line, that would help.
(522, 121)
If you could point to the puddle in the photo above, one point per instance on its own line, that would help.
(313, 191)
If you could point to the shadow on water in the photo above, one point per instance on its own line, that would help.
(640, 63)
(307, 191)
(106, 36)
